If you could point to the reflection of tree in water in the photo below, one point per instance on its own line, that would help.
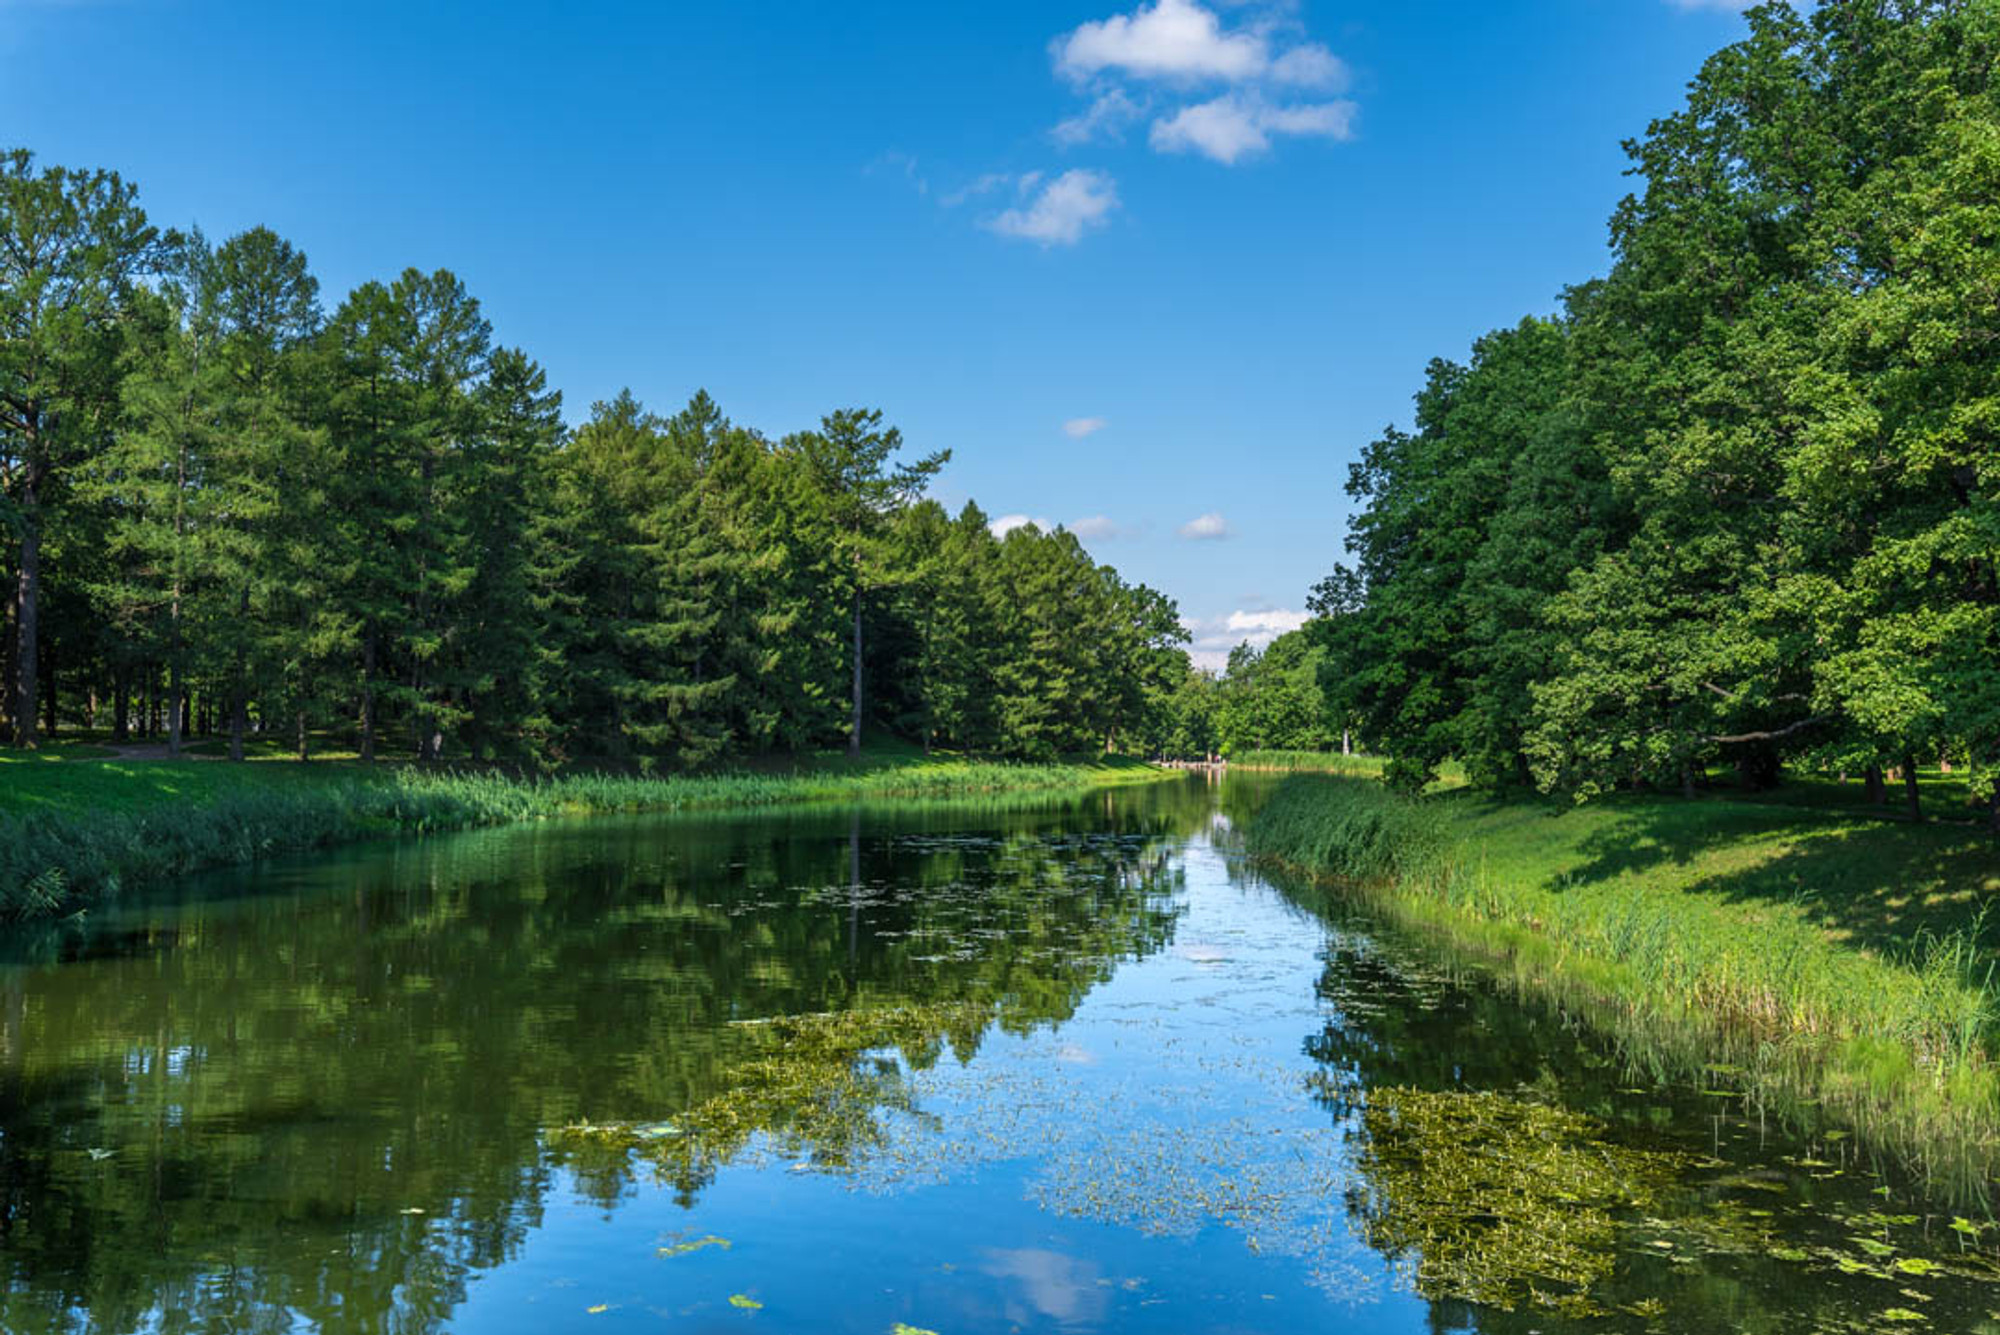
(1524, 1177)
(331, 1105)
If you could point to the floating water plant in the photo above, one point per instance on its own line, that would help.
(1498, 1200)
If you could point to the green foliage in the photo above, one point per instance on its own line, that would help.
(1736, 504)
(1265, 701)
(375, 529)
(73, 247)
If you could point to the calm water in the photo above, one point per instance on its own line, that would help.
(1062, 1066)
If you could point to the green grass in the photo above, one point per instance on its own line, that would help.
(1308, 762)
(1829, 957)
(71, 832)
(58, 750)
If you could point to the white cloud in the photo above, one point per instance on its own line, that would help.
(1169, 39)
(1211, 638)
(1097, 526)
(1310, 66)
(1273, 622)
(983, 185)
(1184, 43)
(1063, 211)
(1006, 524)
(1234, 126)
(1106, 118)
(1206, 528)
(1076, 428)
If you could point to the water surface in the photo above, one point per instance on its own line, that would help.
(1050, 1065)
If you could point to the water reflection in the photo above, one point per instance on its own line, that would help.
(320, 1091)
(1045, 1065)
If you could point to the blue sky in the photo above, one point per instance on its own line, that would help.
(1154, 270)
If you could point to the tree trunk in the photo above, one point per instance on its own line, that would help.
(1878, 791)
(1911, 795)
(7, 659)
(368, 698)
(854, 730)
(174, 719)
(1346, 742)
(1759, 767)
(27, 595)
(49, 695)
(121, 705)
(302, 734)
(239, 720)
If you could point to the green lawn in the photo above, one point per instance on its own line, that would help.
(1829, 955)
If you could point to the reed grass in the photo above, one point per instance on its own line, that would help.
(1690, 932)
(72, 833)
(1308, 762)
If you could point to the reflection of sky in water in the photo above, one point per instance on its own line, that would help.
(1182, 1153)
(1155, 1164)
(1052, 1285)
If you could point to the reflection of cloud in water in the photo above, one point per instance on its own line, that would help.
(1076, 1056)
(1058, 1287)
(1201, 952)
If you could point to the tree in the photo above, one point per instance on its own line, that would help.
(849, 460)
(72, 245)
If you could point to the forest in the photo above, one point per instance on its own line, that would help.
(1735, 505)
(231, 514)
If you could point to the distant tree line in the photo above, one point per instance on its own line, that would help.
(226, 512)
(1738, 502)
(1269, 699)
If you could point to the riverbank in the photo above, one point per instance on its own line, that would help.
(1819, 958)
(79, 828)
(1308, 762)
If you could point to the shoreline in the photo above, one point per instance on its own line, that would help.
(1680, 959)
(76, 832)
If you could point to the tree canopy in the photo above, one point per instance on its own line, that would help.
(1737, 502)
(229, 512)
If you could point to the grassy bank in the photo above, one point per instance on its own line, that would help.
(1822, 959)
(1308, 762)
(79, 829)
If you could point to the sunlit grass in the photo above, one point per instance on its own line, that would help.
(1833, 958)
(1308, 762)
(69, 832)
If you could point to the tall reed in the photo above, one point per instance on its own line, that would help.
(1900, 1044)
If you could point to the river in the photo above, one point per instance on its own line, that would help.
(1063, 1065)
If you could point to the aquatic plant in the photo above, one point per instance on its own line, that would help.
(817, 1084)
(1897, 1039)
(1499, 1200)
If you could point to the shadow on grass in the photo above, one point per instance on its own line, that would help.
(1880, 884)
